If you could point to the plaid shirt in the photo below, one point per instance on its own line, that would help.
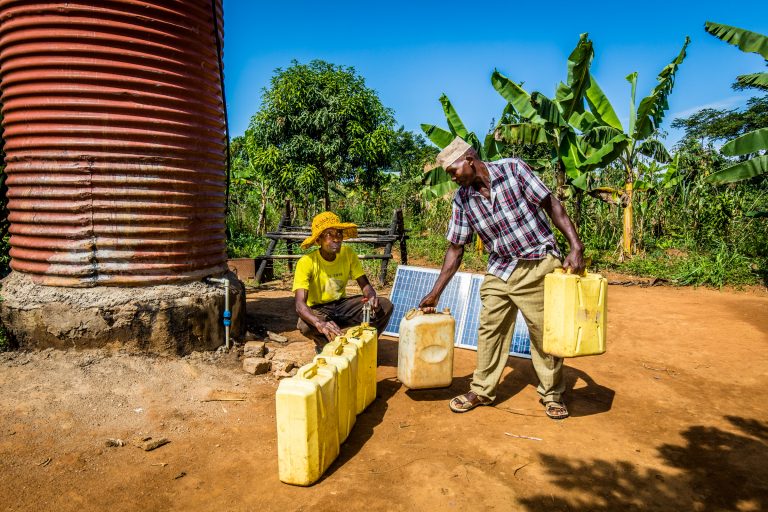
(512, 224)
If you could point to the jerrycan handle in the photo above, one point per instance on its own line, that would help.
(309, 372)
(561, 270)
(339, 349)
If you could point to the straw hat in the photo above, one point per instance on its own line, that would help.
(328, 220)
(452, 152)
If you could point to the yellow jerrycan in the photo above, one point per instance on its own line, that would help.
(346, 383)
(574, 314)
(425, 351)
(366, 341)
(307, 423)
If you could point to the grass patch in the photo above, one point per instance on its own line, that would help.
(716, 268)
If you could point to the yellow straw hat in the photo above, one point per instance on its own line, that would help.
(328, 220)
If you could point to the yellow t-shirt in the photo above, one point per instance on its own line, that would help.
(325, 281)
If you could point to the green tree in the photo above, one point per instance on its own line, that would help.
(560, 123)
(318, 126)
(639, 141)
(752, 144)
(711, 124)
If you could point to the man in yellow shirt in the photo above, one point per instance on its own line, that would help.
(320, 281)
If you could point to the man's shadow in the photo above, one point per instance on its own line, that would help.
(583, 396)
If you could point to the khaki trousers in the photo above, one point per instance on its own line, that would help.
(523, 290)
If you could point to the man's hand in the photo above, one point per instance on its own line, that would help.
(575, 261)
(373, 299)
(329, 329)
(429, 303)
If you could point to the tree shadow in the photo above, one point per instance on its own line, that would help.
(366, 422)
(277, 314)
(716, 470)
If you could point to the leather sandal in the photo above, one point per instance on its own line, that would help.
(555, 410)
(467, 402)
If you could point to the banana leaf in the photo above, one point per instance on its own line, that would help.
(652, 148)
(548, 110)
(651, 110)
(437, 135)
(606, 154)
(571, 155)
(523, 133)
(746, 41)
(757, 214)
(632, 79)
(579, 62)
(756, 80)
(514, 94)
(583, 121)
(580, 181)
(741, 171)
(750, 142)
(437, 183)
(454, 121)
(600, 106)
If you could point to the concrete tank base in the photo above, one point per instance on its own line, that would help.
(165, 319)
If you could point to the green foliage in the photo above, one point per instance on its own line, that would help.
(711, 124)
(319, 126)
(752, 142)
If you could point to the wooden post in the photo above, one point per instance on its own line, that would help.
(401, 234)
(388, 250)
(286, 219)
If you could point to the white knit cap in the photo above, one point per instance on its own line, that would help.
(452, 152)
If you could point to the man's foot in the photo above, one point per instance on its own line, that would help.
(555, 410)
(467, 402)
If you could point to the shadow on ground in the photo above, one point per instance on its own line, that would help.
(715, 470)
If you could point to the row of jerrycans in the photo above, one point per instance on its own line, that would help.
(317, 408)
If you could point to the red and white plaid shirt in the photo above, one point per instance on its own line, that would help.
(512, 224)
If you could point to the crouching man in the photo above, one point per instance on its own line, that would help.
(320, 281)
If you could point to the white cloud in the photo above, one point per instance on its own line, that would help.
(722, 104)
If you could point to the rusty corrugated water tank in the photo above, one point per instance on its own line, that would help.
(115, 140)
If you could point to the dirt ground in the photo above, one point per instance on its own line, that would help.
(672, 417)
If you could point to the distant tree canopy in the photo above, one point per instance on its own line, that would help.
(319, 125)
(711, 124)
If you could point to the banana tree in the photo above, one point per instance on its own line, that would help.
(639, 141)
(437, 182)
(757, 140)
(560, 123)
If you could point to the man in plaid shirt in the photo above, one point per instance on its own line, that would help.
(504, 203)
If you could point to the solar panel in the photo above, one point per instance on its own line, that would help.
(462, 296)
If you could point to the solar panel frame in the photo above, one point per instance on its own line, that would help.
(461, 295)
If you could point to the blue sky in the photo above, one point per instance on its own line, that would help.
(412, 52)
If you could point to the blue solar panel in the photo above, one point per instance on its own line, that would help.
(413, 283)
(462, 296)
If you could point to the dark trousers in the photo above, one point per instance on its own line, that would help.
(346, 312)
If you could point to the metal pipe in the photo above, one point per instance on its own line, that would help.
(227, 312)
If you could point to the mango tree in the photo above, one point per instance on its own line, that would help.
(754, 142)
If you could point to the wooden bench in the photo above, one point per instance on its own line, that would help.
(374, 236)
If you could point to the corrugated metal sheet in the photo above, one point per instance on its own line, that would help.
(115, 140)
